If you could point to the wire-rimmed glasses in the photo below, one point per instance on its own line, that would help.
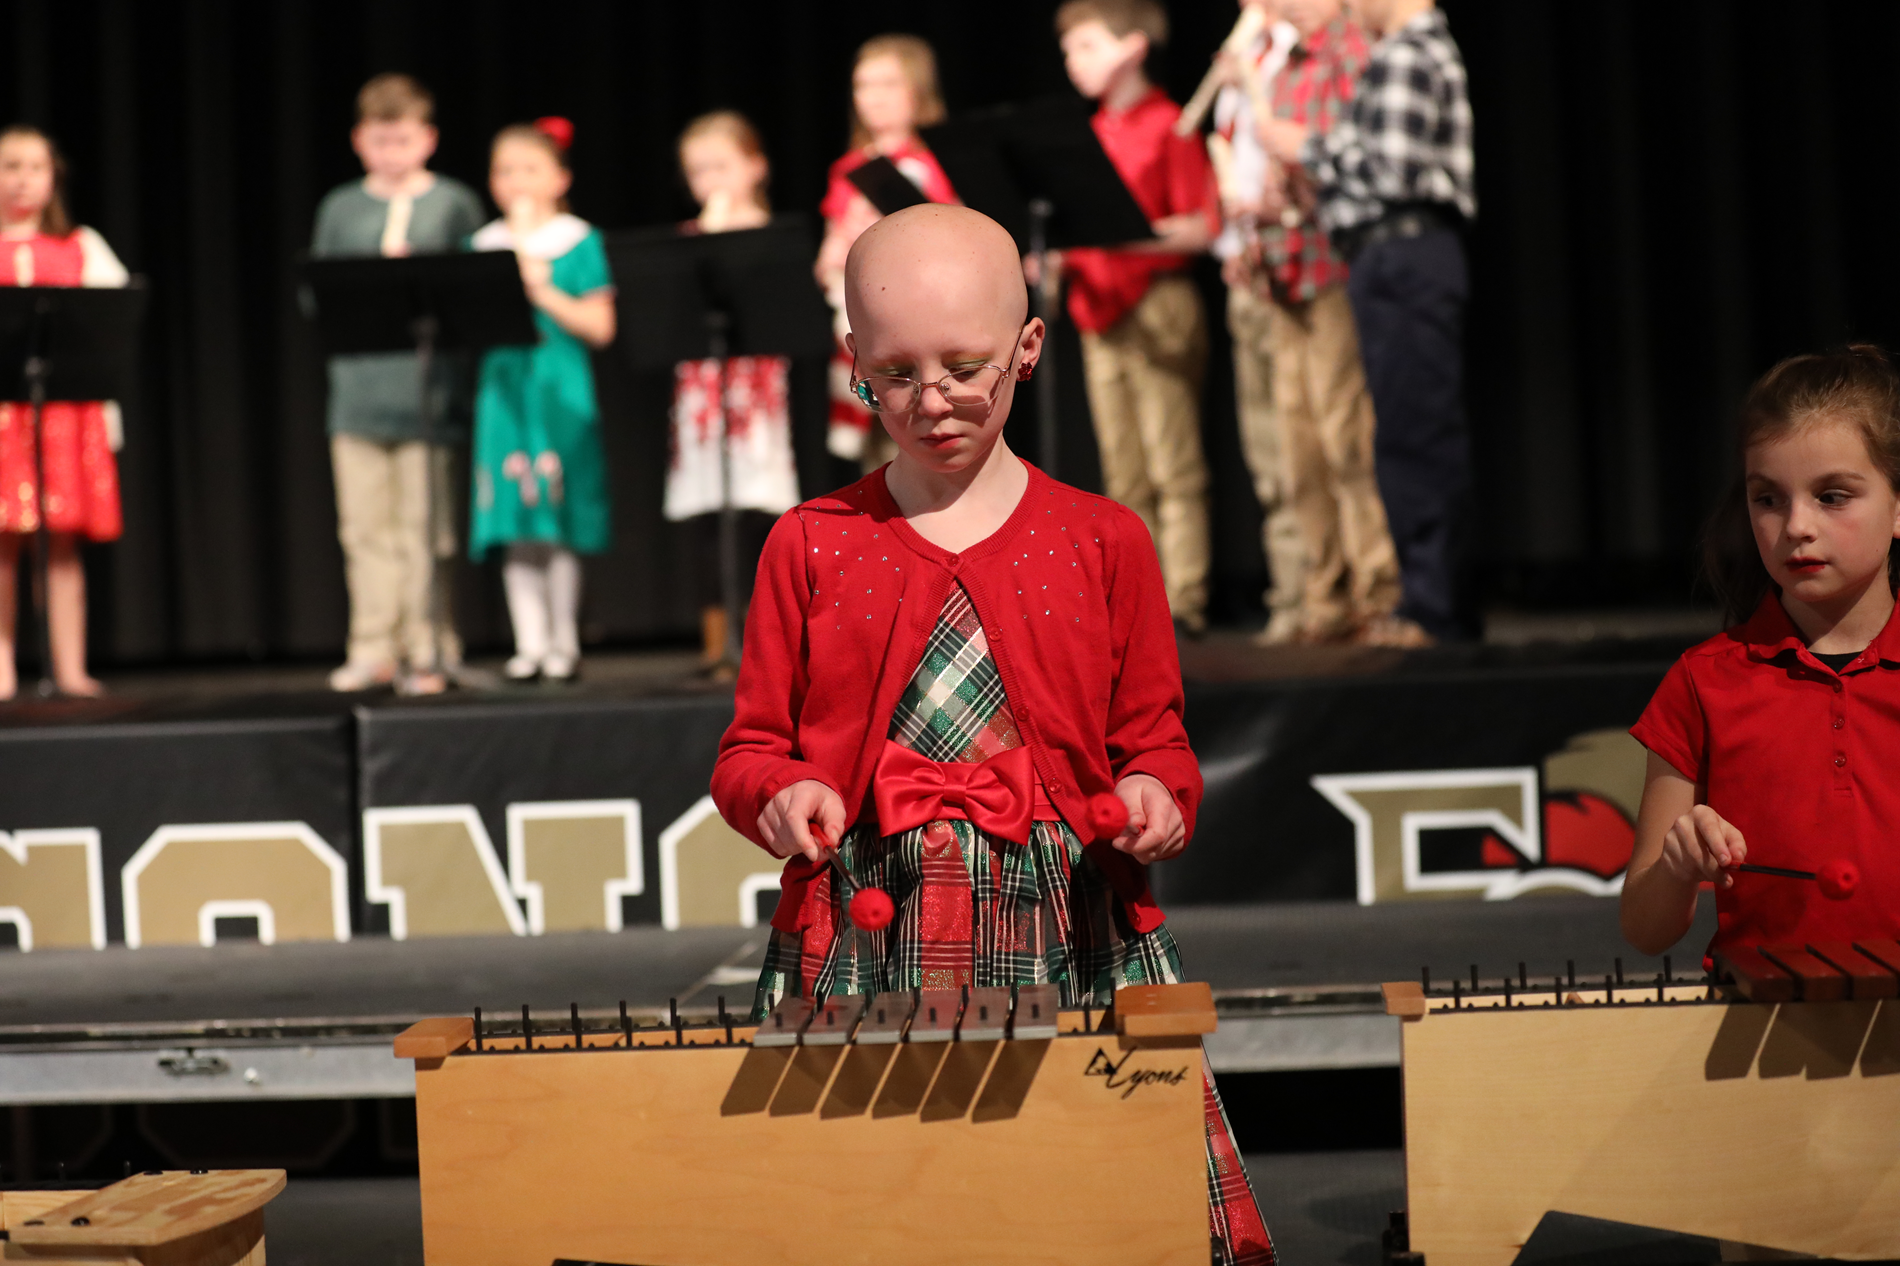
(964, 389)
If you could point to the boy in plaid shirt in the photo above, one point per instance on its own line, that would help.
(1320, 395)
(943, 663)
(1394, 180)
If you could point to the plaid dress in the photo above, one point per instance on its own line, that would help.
(979, 911)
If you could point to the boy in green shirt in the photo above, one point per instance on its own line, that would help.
(377, 448)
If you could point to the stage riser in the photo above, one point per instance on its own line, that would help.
(592, 815)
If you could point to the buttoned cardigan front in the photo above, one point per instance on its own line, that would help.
(1070, 595)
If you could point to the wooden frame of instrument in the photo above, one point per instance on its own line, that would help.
(1661, 1105)
(692, 1151)
(168, 1218)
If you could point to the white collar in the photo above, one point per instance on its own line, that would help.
(551, 241)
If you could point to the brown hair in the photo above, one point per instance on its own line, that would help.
(736, 128)
(919, 63)
(1858, 385)
(533, 134)
(392, 97)
(1120, 17)
(54, 222)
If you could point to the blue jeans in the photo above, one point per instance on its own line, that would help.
(1408, 300)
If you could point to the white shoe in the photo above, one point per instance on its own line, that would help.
(1282, 630)
(521, 668)
(360, 674)
(558, 666)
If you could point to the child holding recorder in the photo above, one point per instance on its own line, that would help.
(540, 472)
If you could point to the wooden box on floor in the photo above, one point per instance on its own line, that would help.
(213, 1218)
(1088, 1146)
(1771, 1126)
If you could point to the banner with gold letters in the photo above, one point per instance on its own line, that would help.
(540, 817)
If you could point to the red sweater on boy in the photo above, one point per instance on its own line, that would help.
(1168, 175)
(1070, 595)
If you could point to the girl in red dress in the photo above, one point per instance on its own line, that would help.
(747, 399)
(1776, 742)
(943, 663)
(39, 246)
(893, 93)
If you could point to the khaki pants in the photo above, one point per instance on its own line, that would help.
(1144, 385)
(1326, 431)
(1250, 321)
(381, 511)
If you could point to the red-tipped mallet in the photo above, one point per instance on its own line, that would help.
(1108, 816)
(1837, 877)
(871, 909)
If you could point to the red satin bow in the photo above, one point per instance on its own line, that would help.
(997, 795)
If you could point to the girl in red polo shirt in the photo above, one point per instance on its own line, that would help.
(943, 663)
(1776, 742)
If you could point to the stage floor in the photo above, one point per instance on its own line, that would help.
(246, 690)
(1321, 1208)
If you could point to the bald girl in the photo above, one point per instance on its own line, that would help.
(939, 339)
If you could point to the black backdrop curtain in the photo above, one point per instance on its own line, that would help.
(1674, 194)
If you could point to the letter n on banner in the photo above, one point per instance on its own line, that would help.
(185, 878)
(51, 890)
(571, 861)
(437, 870)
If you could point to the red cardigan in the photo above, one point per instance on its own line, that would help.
(1069, 591)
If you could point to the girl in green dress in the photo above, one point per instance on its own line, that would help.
(540, 475)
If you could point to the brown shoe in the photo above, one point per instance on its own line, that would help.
(712, 632)
(1394, 631)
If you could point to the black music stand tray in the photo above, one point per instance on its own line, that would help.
(426, 304)
(76, 343)
(1039, 170)
(689, 296)
(884, 186)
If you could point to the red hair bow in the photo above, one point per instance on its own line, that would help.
(556, 129)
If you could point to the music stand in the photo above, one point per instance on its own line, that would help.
(71, 344)
(690, 296)
(426, 304)
(884, 186)
(1039, 170)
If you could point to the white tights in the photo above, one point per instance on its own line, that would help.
(543, 583)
